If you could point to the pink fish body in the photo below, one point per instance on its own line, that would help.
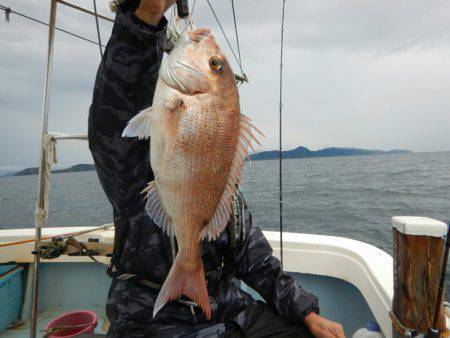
(198, 143)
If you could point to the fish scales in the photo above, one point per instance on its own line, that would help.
(198, 142)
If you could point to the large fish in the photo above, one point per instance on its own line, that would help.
(199, 140)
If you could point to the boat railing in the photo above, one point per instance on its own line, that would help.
(48, 151)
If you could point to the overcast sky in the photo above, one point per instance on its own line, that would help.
(369, 74)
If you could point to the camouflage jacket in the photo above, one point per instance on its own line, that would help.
(125, 85)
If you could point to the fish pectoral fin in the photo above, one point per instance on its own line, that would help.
(139, 126)
(172, 121)
(155, 209)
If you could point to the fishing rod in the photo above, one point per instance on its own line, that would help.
(64, 235)
(280, 151)
(434, 331)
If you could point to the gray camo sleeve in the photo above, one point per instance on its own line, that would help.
(256, 266)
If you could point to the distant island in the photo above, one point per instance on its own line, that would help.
(303, 152)
(75, 168)
(300, 152)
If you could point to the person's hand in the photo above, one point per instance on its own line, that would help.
(323, 328)
(151, 11)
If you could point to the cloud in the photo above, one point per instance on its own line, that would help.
(370, 74)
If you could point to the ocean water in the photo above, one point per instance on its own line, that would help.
(352, 197)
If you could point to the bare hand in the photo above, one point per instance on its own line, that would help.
(323, 328)
(151, 11)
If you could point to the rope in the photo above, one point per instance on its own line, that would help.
(400, 328)
(64, 235)
(9, 10)
(280, 154)
(65, 328)
(41, 213)
(98, 29)
(225, 36)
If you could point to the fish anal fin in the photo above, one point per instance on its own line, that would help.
(190, 283)
(139, 125)
(219, 220)
(155, 209)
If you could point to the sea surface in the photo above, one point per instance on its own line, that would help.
(353, 197)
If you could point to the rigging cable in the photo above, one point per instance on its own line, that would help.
(226, 38)
(98, 29)
(280, 154)
(9, 10)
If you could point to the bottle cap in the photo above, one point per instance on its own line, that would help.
(373, 326)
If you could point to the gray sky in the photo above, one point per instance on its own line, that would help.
(369, 74)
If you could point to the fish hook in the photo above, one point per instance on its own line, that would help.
(174, 33)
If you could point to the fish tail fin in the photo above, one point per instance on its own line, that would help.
(190, 283)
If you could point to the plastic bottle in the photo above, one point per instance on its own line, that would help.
(372, 330)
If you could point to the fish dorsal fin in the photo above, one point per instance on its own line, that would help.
(223, 212)
(139, 126)
(247, 137)
(155, 209)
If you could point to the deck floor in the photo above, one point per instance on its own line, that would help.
(45, 317)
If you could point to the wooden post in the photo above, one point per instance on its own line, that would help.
(418, 245)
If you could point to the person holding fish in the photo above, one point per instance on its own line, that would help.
(180, 248)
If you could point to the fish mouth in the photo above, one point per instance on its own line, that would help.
(184, 74)
(199, 34)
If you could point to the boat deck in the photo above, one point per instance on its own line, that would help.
(74, 286)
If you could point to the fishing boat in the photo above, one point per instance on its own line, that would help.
(353, 280)
(48, 271)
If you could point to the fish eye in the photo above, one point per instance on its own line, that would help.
(215, 63)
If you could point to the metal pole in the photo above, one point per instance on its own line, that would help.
(42, 165)
(98, 29)
(87, 11)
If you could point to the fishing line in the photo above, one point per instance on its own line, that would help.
(193, 7)
(280, 154)
(225, 36)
